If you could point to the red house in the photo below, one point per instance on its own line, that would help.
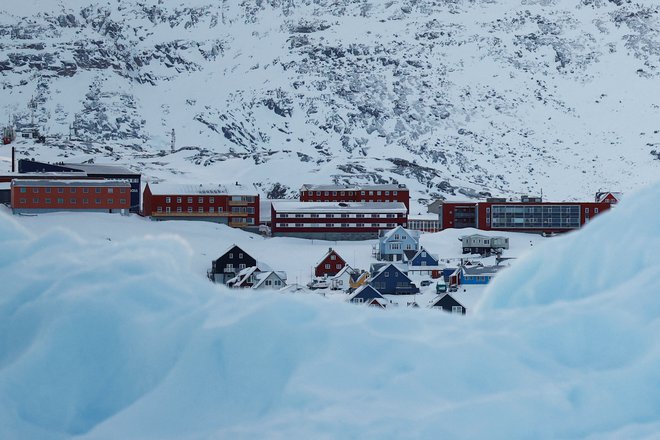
(355, 193)
(530, 214)
(233, 205)
(41, 195)
(330, 264)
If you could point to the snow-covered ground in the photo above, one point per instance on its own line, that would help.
(125, 338)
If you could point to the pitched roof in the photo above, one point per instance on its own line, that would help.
(263, 276)
(384, 268)
(330, 251)
(445, 300)
(343, 270)
(482, 270)
(365, 292)
(242, 276)
(411, 233)
(421, 249)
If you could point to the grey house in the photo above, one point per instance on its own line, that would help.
(483, 245)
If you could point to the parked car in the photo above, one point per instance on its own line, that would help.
(318, 283)
(453, 288)
(425, 283)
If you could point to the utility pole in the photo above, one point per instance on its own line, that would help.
(173, 142)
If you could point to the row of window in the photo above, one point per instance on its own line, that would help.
(336, 225)
(329, 266)
(298, 215)
(211, 209)
(248, 199)
(351, 193)
(72, 190)
(60, 201)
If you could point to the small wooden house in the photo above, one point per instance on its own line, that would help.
(365, 294)
(271, 280)
(447, 303)
(229, 264)
(393, 243)
(330, 264)
(390, 280)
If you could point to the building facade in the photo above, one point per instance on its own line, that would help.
(331, 264)
(356, 193)
(229, 264)
(88, 170)
(41, 195)
(393, 243)
(233, 205)
(335, 221)
(530, 214)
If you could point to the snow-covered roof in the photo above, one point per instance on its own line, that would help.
(482, 270)
(343, 271)
(95, 168)
(77, 183)
(66, 174)
(412, 233)
(263, 276)
(346, 207)
(201, 189)
(330, 251)
(356, 187)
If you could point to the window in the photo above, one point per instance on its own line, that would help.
(35, 190)
(48, 201)
(178, 199)
(60, 190)
(23, 200)
(23, 190)
(456, 309)
(168, 199)
(338, 266)
(211, 199)
(211, 209)
(159, 209)
(387, 274)
(200, 209)
(241, 266)
(371, 193)
(60, 201)
(72, 201)
(240, 255)
(231, 256)
(97, 201)
(315, 216)
(190, 209)
(378, 193)
(329, 215)
(111, 201)
(178, 209)
(47, 190)
(85, 201)
(334, 193)
(35, 200)
(97, 190)
(333, 257)
(595, 210)
(122, 190)
(394, 193)
(168, 209)
(110, 190)
(122, 201)
(362, 193)
(327, 266)
(387, 193)
(85, 190)
(189, 199)
(298, 215)
(200, 200)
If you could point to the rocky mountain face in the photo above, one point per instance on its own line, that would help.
(453, 97)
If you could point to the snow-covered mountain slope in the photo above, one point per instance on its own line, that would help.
(121, 339)
(452, 97)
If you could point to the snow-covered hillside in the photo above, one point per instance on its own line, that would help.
(121, 339)
(452, 97)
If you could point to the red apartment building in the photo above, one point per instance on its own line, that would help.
(41, 195)
(233, 205)
(530, 214)
(356, 193)
(336, 220)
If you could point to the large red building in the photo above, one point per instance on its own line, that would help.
(41, 195)
(336, 220)
(355, 193)
(530, 214)
(234, 205)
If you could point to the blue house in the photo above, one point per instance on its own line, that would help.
(390, 280)
(393, 243)
(365, 294)
(423, 258)
(447, 303)
(479, 274)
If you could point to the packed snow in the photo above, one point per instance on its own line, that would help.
(112, 332)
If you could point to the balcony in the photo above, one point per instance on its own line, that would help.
(199, 214)
(237, 203)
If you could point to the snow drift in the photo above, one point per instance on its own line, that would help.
(123, 340)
